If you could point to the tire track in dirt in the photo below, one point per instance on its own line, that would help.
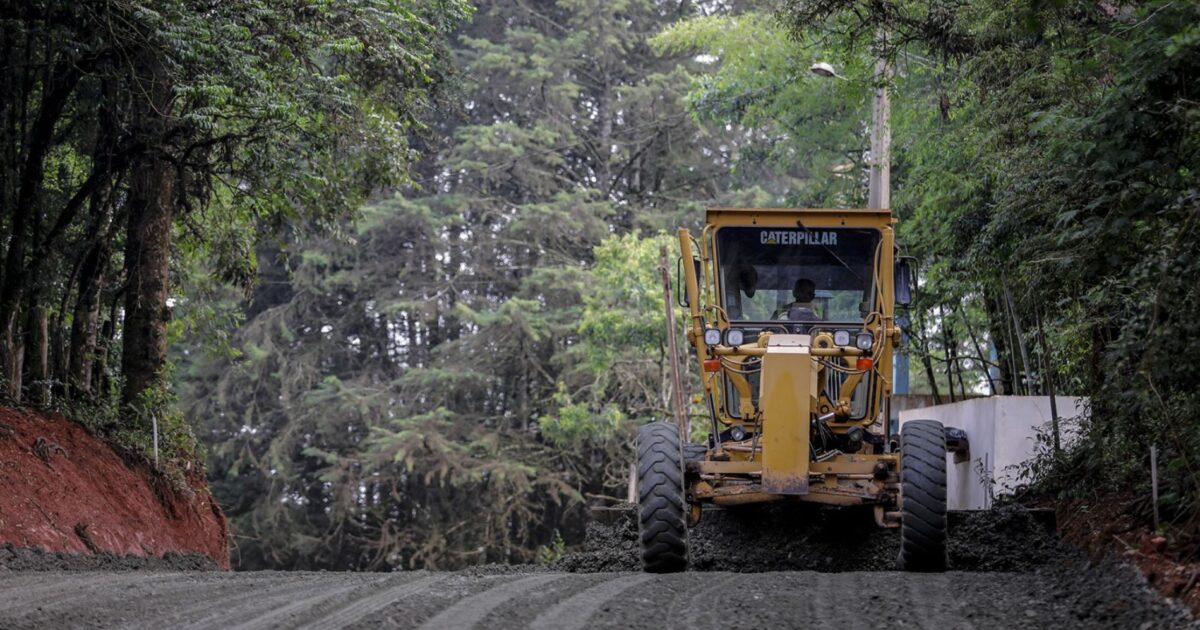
(820, 598)
(471, 610)
(219, 594)
(1069, 597)
(278, 617)
(54, 594)
(171, 586)
(696, 601)
(935, 589)
(25, 579)
(361, 608)
(574, 612)
(307, 587)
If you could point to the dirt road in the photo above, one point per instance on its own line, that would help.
(1009, 572)
(1044, 599)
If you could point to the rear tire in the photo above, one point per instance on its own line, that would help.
(662, 508)
(923, 496)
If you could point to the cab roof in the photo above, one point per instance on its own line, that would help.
(780, 216)
(721, 210)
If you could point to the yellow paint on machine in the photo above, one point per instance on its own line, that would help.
(788, 379)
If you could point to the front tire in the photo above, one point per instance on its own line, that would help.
(662, 507)
(923, 496)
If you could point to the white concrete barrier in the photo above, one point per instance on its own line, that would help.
(1002, 432)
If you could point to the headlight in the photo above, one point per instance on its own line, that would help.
(841, 338)
(864, 341)
(734, 337)
(712, 337)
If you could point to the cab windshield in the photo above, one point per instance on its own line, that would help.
(806, 275)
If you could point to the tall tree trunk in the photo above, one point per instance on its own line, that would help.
(147, 260)
(1101, 337)
(108, 336)
(39, 354)
(948, 347)
(987, 370)
(1014, 370)
(29, 194)
(17, 357)
(59, 334)
(10, 357)
(1020, 337)
(996, 327)
(85, 324)
(148, 240)
(926, 359)
(1048, 383)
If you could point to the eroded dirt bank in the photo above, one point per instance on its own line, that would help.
(63, 490)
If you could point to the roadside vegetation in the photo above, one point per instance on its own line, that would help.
(395, 264)
(1047, 179)
(148, 146)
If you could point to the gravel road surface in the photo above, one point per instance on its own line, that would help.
(512, 598)
(752, 569)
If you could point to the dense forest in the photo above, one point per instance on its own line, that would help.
(392, 268)
(147, 145)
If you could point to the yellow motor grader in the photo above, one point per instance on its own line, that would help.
(792, 315)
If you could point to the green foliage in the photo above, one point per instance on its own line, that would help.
(805, 130)
(450, 379)
(209, 125)
(575, 424)
(553, 551)
(1055, 182)
(623, 316)
(132, 431)
(412, 390)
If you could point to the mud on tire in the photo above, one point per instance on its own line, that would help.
(923, 496)
(662, 508)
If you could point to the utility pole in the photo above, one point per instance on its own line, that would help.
(879, 191)
(879, 183)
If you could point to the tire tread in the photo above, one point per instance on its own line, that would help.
(923, 504)
(662, 505)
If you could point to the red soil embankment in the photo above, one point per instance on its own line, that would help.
(65, 490)
(1169, 561)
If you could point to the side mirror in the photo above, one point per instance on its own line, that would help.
(680, 288)
(680, 284)
(904, 283)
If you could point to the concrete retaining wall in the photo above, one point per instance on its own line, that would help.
(1002, 431)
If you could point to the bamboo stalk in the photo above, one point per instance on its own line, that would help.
(1020, 334)
(1048, 385)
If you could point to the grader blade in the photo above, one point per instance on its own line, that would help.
(787, 382)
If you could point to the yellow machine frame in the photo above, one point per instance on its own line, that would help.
(781, 464)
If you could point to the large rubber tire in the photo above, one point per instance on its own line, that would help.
(923, 496)
(662, 507)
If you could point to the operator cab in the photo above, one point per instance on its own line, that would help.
(803, 281)
(792, 280)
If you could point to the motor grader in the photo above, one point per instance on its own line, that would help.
(792, 316)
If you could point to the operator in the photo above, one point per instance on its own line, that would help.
(804, 292)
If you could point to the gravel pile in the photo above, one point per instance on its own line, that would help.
(36, 559)
(798, 537)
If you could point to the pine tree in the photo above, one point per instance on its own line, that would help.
(389, 405)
